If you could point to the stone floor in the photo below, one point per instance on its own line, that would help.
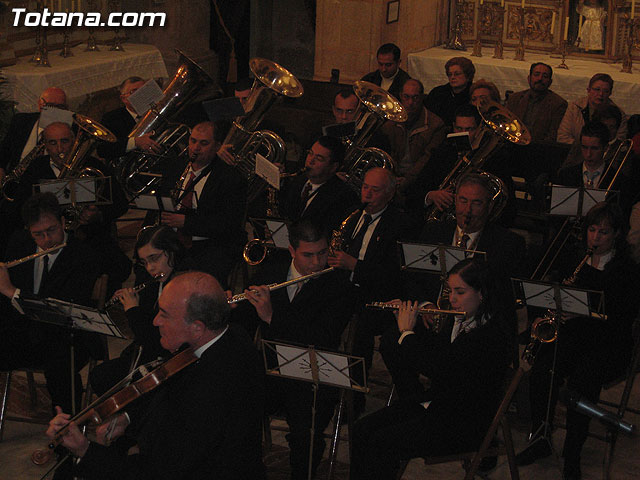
(20, 439)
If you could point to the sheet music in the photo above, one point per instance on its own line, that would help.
(268, 171)
(50, 115)
(142, 99)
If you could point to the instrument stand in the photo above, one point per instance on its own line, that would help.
(319, 367)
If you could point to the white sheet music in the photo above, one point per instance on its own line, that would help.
(142, 99)
(268, 171)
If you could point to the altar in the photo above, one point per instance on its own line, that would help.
(508, 74)
(81, 74)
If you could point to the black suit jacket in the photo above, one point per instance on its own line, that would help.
(571, 176)
(16, 138)
(221, 207)
(71, 276)
(120, 122)
(396, 85)
(317, 315)
(333, 202)
(378, 273)
(204, 422)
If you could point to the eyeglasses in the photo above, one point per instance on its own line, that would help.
(153, 258)
(454, 74)
(130, 92)
(316, 157)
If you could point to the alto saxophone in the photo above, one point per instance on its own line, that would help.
(337, 241)
(8, 192)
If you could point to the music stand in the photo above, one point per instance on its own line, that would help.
(575, 201)
(562, 299)
(72, 317)
(274, 230)
(154, 202)
(83, 190)
(318, 367)
(432, 258)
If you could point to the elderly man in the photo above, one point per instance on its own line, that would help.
(539, 108)
(414, 139)
(389, 75)
(121, 121)
(205, 422)
(581, 111)
(24, 130)
(211, 205)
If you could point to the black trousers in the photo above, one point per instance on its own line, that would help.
(587, 357)
(295, 398)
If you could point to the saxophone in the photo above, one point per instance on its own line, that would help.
(337, 241)
(11, 181)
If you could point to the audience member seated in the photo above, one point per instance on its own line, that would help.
(581, 111)
(538, 107)
(389, 75)
(482, 91)
(415, 139)
(444, 100)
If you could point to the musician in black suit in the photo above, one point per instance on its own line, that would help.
(466, 364)
(24, 130)
(389, 75)
(594, 138)
(67, 274)
(203, 422)
(472, 230)
(371, 259)
(311, 313)
(319, 195)
(212, 204)
(121, 122)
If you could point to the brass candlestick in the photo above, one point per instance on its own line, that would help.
(627, 61)
(456, 42)
(92, 45)
(477, 44)
(44, 58)
(37, 54)
(499, 48)
(66, 48)
(520, 48)
(563, 52)
(117, 41)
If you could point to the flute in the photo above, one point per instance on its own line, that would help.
(136, 289)
(276, 286)
(423, 310)
(33, 256)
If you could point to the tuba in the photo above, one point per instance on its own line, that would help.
(141, 171)
(271, 83)
(376, 107)
(498, 125)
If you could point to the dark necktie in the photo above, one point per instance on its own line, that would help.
(464, 241)
(356, 243)
(45, 274)
(187, 200)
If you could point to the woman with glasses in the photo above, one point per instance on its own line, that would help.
(443, 100)
(466, 362)
(159, 254)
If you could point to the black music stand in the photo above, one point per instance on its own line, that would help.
(432, 258)
(318, 367)
(71, 317)
(75, 191)
(563, 299)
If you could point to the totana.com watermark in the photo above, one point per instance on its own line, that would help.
(47, 18)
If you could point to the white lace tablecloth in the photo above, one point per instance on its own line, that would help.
(509, 74)
(82, 74)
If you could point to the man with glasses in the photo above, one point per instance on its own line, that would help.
(319, 195)
(67, 274)
(121, 122)
(24, 130)
(414, 139)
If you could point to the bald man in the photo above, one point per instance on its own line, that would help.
(24, 129)
(204, 422)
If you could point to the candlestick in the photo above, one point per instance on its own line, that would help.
(566, 29)
(553, 22)
(633, 8)
(522, 3)
(580, 22)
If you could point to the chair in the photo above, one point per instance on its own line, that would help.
(485, 449)
(621, 407)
